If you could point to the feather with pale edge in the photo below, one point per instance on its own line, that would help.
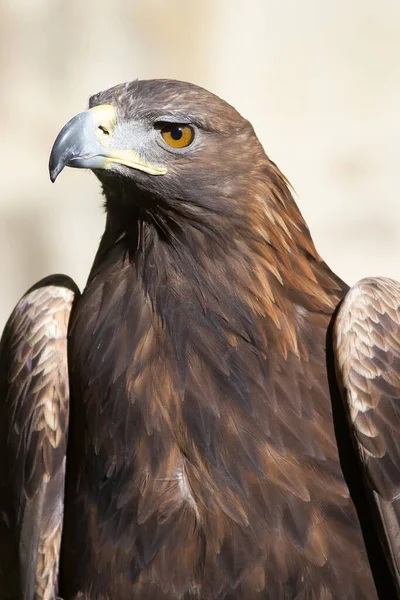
(367, 348)
(33, 434)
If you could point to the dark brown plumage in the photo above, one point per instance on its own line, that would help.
(209, 455)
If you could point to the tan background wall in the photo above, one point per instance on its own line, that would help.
(319, 79)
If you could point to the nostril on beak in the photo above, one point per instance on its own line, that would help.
(104, 130)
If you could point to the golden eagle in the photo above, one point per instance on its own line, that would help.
(196, 380)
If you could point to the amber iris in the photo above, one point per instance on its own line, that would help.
(177, 136)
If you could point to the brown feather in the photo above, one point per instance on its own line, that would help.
(368, 365)
(33, 429)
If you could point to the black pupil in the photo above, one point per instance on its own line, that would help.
(176, 133)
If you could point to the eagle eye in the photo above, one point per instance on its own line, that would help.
(177, 135)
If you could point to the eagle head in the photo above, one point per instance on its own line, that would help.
(163, 141)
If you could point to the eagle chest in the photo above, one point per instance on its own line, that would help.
(202, 427)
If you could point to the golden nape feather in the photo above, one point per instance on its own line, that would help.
(210, 451)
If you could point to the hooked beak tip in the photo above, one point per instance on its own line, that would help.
(76, 139)
(54, 171)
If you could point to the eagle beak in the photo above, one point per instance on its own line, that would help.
(87, 142)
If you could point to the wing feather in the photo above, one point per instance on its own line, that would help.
(367, 354)
(34, 406)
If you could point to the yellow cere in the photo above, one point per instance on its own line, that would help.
(104, 119)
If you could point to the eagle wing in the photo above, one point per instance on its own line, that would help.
(34, 407)
(367, 356)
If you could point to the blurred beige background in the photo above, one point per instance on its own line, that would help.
(319, 79)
